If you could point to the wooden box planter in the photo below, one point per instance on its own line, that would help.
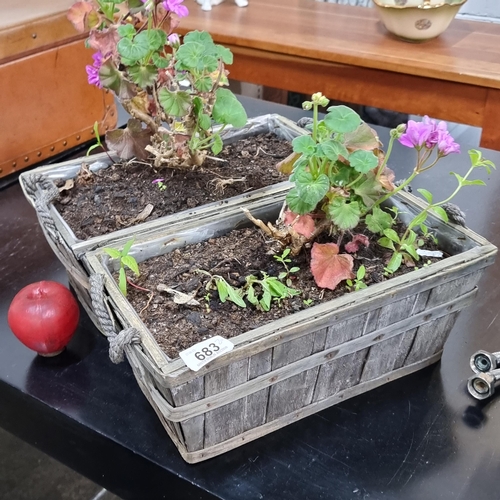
(307, 361)
(39, 188)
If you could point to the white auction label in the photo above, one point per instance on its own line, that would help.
(202, 353)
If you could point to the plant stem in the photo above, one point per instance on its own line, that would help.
(386, 158)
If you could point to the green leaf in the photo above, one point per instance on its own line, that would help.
(304, 144)
(113, 79)
(392, 235)
(311, 190)
(464, 182)
(342, 119)
(144, 76)
(175, 103)
(159, 61)
(363, 161)
(204, 84)
(344, 215)
(235, 297)
(411, 250)
(361, 273)
(426, 194)
(156, 38)
(225, 54)
(395, 262)
(126, 31)
(131, 263)
(127, 247)
(190, 55)
(251, 297)
(276, 288)
(386, 243)
(370, 190)
(333, 149)
(113, 253)
(122, 281)
(217, 145)
(419, 219)
(198, 36)
(441, 212)
(297, 204)
(134, 49)
(228, 110)
(204, 121)
(222, 288)
(265, 302)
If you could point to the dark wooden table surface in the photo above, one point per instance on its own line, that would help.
(421, 437)
(346, 53)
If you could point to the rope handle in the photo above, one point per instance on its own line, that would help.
(118, 342)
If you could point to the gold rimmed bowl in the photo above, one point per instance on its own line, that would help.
(417, 20)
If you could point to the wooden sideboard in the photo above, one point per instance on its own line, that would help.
(346, 53)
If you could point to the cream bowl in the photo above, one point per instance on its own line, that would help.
(417, 20)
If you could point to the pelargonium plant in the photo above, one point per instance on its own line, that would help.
(341, 180)
(173, 89)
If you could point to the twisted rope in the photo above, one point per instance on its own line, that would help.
(42, 192)
(117, 341)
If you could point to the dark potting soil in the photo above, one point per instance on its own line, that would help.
(113, 198)
(235, 256)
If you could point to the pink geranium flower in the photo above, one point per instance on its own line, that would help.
(430, 134)
(93, 70)
(176, 7)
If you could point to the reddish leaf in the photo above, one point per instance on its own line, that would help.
(304, 224)
(78, 15)
(363, 137)
(386, 179)
(357, 241)
(105, 41)
(328, 267)
(131, 141)
(286, 166)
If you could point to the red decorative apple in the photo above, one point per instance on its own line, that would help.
(44, 317)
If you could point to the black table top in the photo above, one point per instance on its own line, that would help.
(420, 437)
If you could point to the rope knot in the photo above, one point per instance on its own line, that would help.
(118, 343)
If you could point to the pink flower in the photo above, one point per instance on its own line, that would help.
(93, 70)
(174, 39)
(176, 7)
(431, 134)
(446, 144)
(417, 134)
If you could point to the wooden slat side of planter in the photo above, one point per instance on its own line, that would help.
(252, 434)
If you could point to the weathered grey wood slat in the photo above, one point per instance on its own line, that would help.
(304, 412)
(341, 373)
(256, 403)
(227, 421)
(431, 337)
(294, 392)
(146, 383)
(194, 428)
(385, 356)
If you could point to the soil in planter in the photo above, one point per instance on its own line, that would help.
(240, 253)
(113, 198)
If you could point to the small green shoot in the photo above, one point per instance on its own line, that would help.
(357, 283)
(283, 259)
(307, 302)
(126, 261)
(258, 292)
(98, 143)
